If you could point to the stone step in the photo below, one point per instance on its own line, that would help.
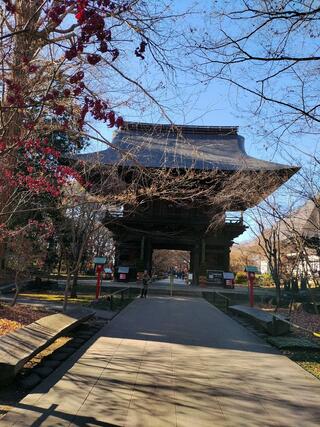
(21, 345)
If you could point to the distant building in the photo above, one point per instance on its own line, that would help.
(264, 266)
(300, 228)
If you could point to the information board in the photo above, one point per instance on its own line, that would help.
(215, 277)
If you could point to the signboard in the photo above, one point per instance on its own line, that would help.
(122, 276)
(123, 270)
(251, 269)
(215, 277)
(228, 275)
(264, 267)
(99, 260)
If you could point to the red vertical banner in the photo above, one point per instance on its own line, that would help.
(251, 276)
(98, 285)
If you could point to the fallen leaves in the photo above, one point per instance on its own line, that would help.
(7, 326)
(12, 318)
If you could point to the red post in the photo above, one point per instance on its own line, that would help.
(251, 277)
(98, 285)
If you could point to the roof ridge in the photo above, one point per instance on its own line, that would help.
(163, 127)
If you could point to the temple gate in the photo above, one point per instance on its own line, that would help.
(161, 224)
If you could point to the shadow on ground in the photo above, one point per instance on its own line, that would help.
(177, 361)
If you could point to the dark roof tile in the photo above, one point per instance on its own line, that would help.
(165, 146)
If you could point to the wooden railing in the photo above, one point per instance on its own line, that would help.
(217, 299)
(125, 294)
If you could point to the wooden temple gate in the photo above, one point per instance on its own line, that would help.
(160, 224)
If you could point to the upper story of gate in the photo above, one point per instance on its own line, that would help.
(183, 147)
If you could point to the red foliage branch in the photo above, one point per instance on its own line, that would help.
(27, 161)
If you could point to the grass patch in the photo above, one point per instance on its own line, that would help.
(87, 298)
(310, 361)
(58, 297)
(312, 367)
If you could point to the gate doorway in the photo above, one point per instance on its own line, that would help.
(176, 262)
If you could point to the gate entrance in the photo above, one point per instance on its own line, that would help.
(176, 262)
(206, 158)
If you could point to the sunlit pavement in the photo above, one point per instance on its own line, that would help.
(174, 362)
(176, 282)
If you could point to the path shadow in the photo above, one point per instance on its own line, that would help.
(218, 372)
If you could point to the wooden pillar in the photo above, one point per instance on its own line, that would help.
(203, 251)
(148, 253)
(196, 265)
(142, 248)
(227, 259)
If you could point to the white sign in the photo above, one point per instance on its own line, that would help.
(227, 275)
(264, 267)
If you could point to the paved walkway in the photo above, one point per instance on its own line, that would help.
(173, 362)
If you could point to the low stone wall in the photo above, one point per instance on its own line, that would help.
(21, 345)
(273, 325)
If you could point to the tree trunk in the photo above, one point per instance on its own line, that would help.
(276, 279)
(278, 294)
(66, 290)
(73, 292)
(59, 266)
(3, 250)
(313, 299)
(16, 284)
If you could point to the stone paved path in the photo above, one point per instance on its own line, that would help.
(174, 362)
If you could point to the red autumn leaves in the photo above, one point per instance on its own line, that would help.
(91, 18)
(38, 169)
(66, 103)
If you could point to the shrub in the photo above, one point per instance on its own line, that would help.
(265, 279)
(241, 277)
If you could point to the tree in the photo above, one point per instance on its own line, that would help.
(26, 252)
(268, 50)
(64, 68)
(80, 218)
(245, 254)
(100, 243)
(267, 231)
(165, 260)
(289, 238)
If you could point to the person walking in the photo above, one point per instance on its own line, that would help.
(145, 283)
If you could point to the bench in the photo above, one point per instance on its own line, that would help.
(272, 324)
(17, 347)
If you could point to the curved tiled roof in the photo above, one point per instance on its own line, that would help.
(305, 221)
(197, 147)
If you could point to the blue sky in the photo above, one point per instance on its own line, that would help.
(188, 101)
